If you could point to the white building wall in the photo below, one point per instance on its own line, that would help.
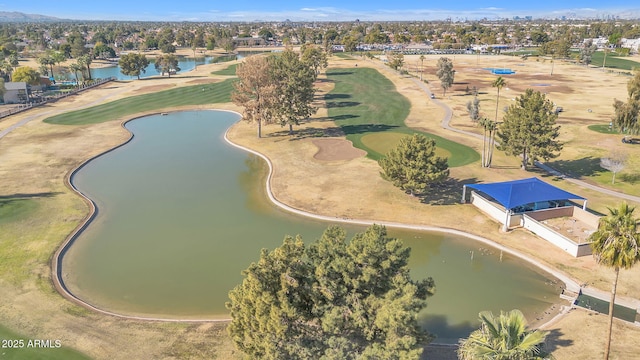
(633, 44)
(489, 208)
(555, 238)
(533, 225)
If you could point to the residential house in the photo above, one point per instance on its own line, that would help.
(16, 92)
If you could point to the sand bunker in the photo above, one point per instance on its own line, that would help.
(336, 149)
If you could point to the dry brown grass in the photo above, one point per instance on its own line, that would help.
(35, 159)
(581, 333)
(586, 95)
(353, 188)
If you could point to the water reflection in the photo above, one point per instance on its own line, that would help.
(252, 180)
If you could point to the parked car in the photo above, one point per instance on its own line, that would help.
(432, 96)
(558, 110)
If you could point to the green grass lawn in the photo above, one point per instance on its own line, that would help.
(383, 142)
(342, 55)
(228, 71)
(364, 102)
(524, 51)
(603, 129)
(588, 167)
(190, 95)
(13, 209)
(15, 212)
(25, 348)
(613, 61)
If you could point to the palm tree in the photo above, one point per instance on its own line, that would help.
(75, 68)
(616, 244)
(85, 61)
(58, 57)
(421, 66)
(490, 128)
(46, 60)
(606, 51)
(484, 123)
(498, 83)
(6, 69)
(503, 337)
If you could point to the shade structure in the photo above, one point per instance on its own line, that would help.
(511, 194)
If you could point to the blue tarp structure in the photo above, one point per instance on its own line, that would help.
(511, 194)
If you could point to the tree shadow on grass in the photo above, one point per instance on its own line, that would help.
(342, 117)
(447, 193)
(335, 104)
(586, 166)
(366, 128)
(336, 118)
(539, 172)
(630, 178)
(339, 73)
(337, 96)
(555, 341)
(316, 132)
(9, 198)
(307, 132)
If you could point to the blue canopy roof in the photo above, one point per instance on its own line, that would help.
(524, 191)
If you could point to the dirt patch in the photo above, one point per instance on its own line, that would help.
(153, 88)
(336, 149)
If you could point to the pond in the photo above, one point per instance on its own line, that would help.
(185, 64)
(181, 213)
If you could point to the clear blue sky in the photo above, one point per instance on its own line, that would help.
(327, 10)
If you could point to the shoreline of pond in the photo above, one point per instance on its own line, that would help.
(59, 254)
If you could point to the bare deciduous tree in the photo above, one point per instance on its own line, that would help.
(614, 163)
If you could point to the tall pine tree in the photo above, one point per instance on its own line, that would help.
(413, 165)
(335, 299)
(529, 129)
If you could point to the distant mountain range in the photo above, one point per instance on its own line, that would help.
(14, 16)
(583, 14)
